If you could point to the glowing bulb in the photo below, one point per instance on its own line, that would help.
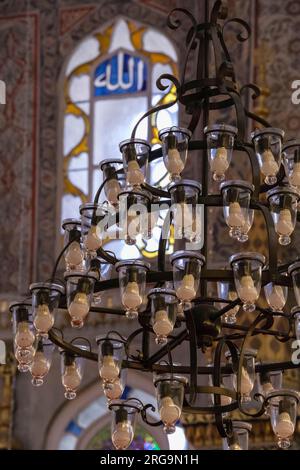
(267, 387)
(43, 320)
(131, 298)
(235, 217)
(162, 325)
(235, 446)
(71, 378)
(247, 290)
(92, 241)
(285, 224)
(134, 175)
(295, 176)
(74, 255)
(112, 190)
(24, 357)
(276, 299)
(269, 165)
(79, 307)
(169, 411)
(109, 370)
(115, 391)
(24, 337)
(40, 365)
(122, 435)
(186, 291)
(246, 382)
(174, 163)
(284, 428)
(220, 163)
(225, 400)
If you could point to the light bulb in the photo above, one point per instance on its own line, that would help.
(235, 217)
(114, 391)
(79, 307)
(134, 175)
(225, 400)
(186, 291)
(109, 370)
(162, 325)
(235, 446)
(246, 382)
(295, 176)
(74, 255)
(285, 224)
(43, 319)
(24, 357)
(169, 411)
(24, 336)
(276, 299)
(40, 365)
(122, 435)
(247, 290)
(284, 427)
(174, 163)
(92, 241)
(112, 190)
(131, 298)
(71, 378)
(269, 165)
(220, 163)
(267, 387)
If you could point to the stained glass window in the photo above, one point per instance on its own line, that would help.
(110, 81)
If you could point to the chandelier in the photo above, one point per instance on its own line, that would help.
(177, 307)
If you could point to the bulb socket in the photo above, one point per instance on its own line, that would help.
(132, 274)
(84, 286)
(284, 406)
(69, 358)
(130, 153)
(43, 297)
(121, 415)
(22, 314)
(171, 141)
(107, 348)
(74, 235)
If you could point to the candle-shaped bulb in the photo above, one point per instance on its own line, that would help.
(134, 176)
(220, 164)
(276, 299)
(284, 426)
(248, 291)
(169, 411)
(285, 224)
(131, 298)
(109, 371)
(74, 254)
(43, 319)
(24, 336)
(235, 217)
(269, 165)
(112, 190)
(123, 433)
(162, 326)
(92, 240)
(71, 378)
(186, 291)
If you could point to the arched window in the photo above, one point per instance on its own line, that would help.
(109, 82)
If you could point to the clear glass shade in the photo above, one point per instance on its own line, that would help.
(268, 147)
(135, 154)
(123, 423)
(247, 270)
(186, 210)
(170, 394)
(186, 275)
(41, 363)
(175, 148)
(291, 158)
(110, 356)
(283, 414)
(74, 254)
(93, 224)
(24, 337)
(240, 436)
(220, 142)
(283, 207)
(132, 281)
(45, 300)
(236, 207)
(276, 296)
(248, 377)
(134, 207)
(114, 179)
(80, 289)
(72, 368)
(164, 313)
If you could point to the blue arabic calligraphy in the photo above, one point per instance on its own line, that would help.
(122, 73)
